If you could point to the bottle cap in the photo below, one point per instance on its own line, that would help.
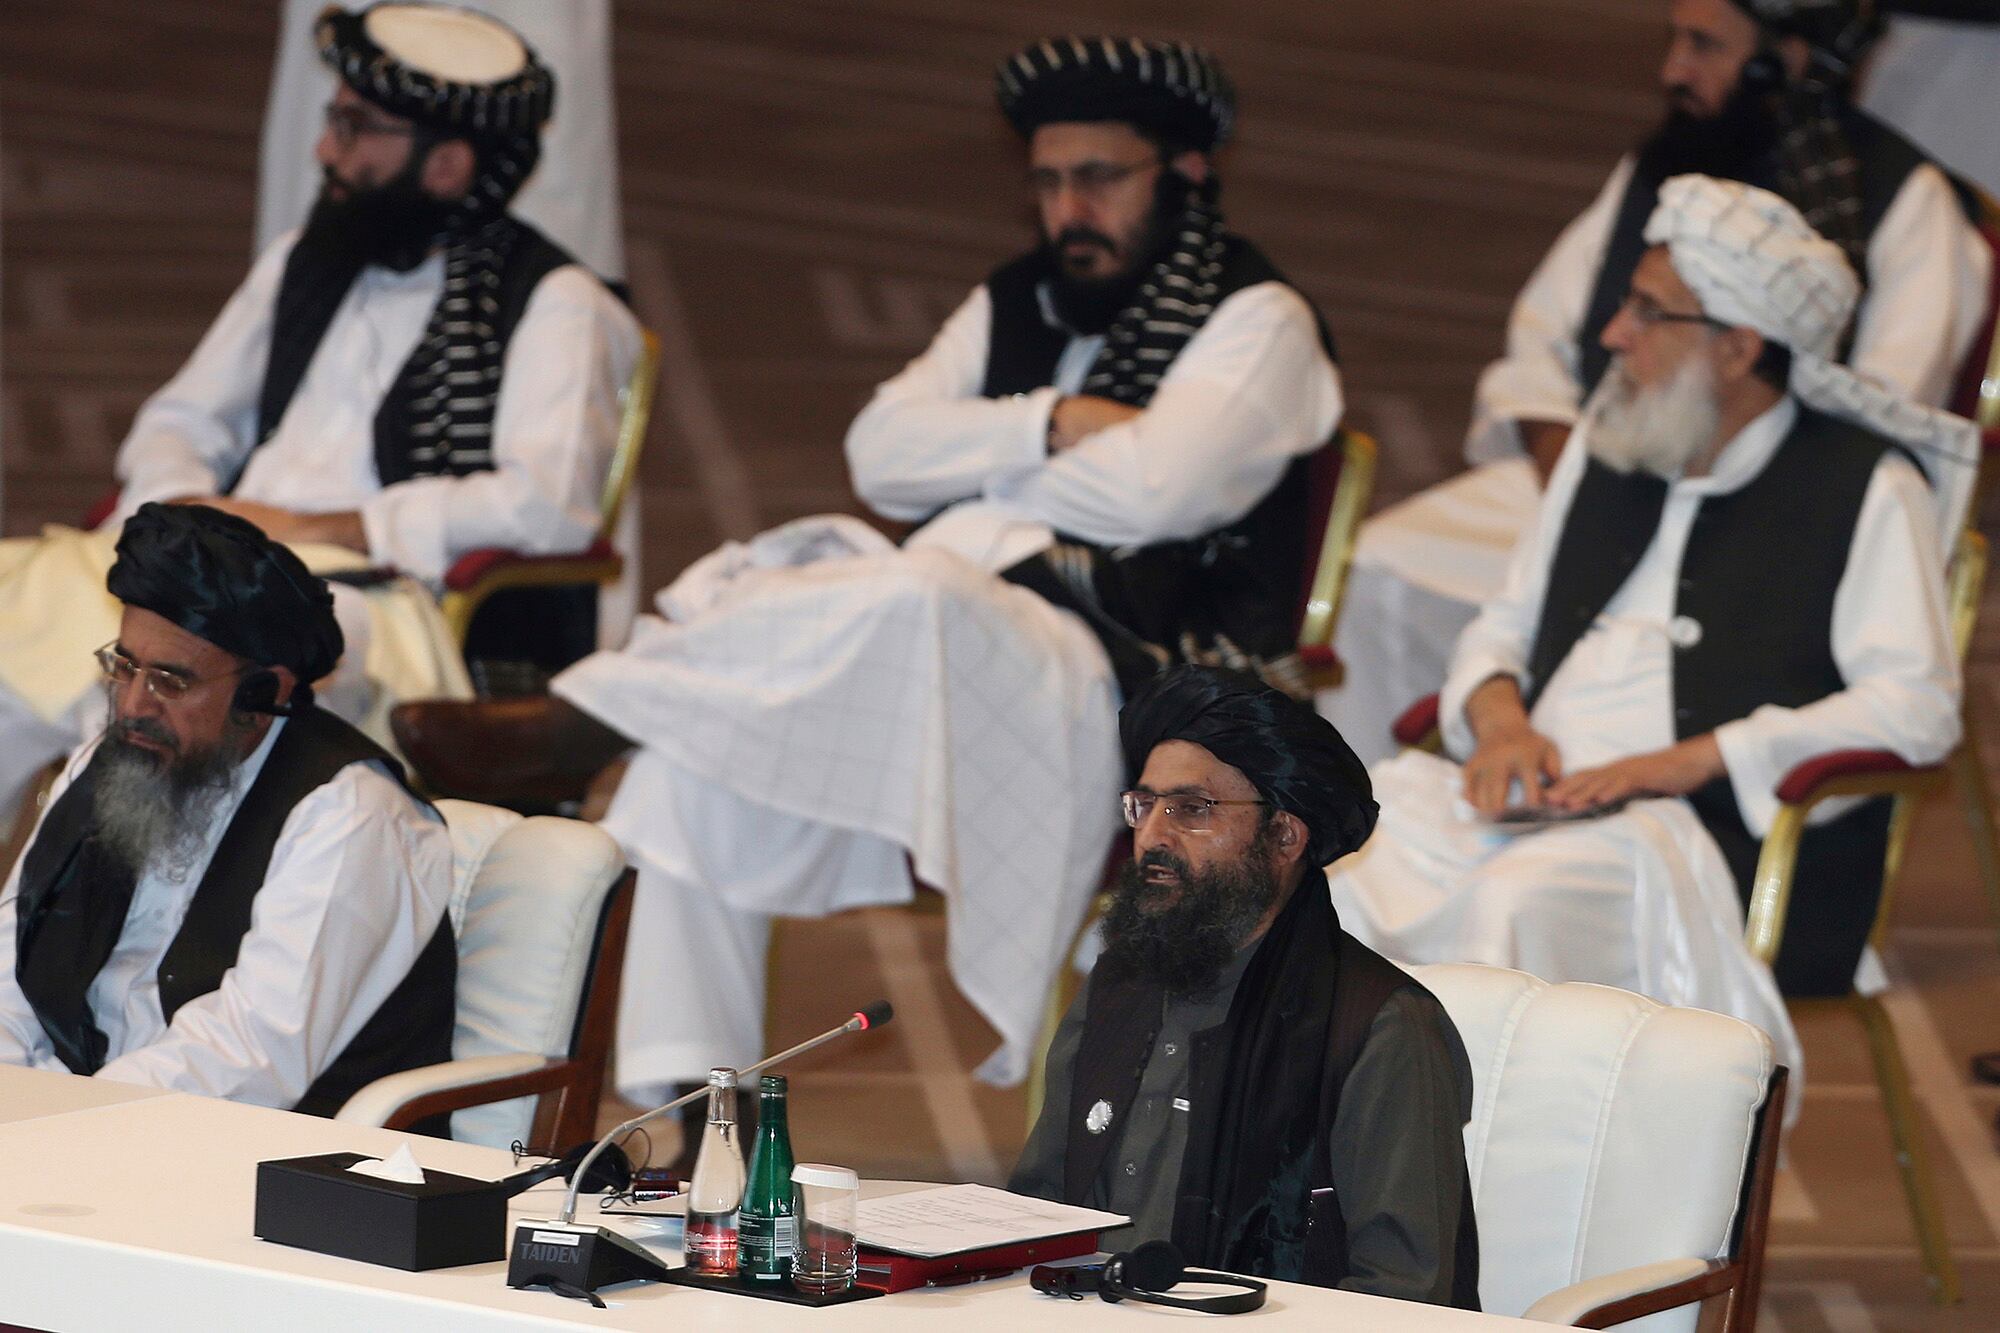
(722, 1076)
(827, 1177)
(771, 1083)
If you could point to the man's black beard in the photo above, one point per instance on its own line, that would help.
(394, 224)
(1091, 305)
(150, 811)
(1185, 944)
(1734, 144)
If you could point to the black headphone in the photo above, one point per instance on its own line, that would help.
(1141, 1274)
(257, 692)
(611, 1171)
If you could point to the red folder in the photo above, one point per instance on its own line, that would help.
(901, 1272)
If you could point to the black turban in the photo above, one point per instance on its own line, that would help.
(221, 579)
(1296, 759)
(1168, 89)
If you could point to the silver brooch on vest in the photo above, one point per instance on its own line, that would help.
(1099, 1118)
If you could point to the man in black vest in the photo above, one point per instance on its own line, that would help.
(1738, 567)
(414, 375)
(230, 891)
(1116, 424)
(1240, 1075)
(1757, 92)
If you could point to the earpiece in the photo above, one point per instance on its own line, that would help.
(1142, 1275)
(257, 692)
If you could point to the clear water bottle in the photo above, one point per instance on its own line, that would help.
(770, 1215)
(717, 1191)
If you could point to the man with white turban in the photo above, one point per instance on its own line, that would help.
(1738, 565)
(1756, 91)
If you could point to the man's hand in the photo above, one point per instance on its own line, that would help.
(1078, 415)
(289, 526)
(1674, 771)
(1508, 750)
(1544, 441)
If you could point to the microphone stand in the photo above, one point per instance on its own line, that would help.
(562, 1254)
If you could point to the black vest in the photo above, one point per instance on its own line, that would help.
(1245, 582)
(1256, 1189)
(1759, 576)
(303, 312)
(411, 1028)
(1886, 159)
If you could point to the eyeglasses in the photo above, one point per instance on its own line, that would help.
(1189, 814)
(348, 123)
(1646, 312)
(163, 683)
(1089, 181)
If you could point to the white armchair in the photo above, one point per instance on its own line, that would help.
(1621, 1152)
(540, 907)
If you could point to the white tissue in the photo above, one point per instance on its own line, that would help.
(402, 1168)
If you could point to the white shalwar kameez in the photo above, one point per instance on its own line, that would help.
(358, 881)
(813, 729)
(1642, 899)
(553, 433)
(1424, 567)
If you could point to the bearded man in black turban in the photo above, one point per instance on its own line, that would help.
(1240, 1076)
(231, 891)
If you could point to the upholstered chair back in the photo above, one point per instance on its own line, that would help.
(1607, 1131)
(527, 898)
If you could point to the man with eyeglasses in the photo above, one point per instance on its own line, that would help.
(1739, 566)
(1758, 91)
(230, 891)
(1239, 1075)
(413, 375)
(1116, 424)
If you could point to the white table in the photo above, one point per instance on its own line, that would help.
(124, 1208)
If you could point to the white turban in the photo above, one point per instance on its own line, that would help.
(1751, 260)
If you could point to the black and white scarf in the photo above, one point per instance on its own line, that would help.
(1172, 303)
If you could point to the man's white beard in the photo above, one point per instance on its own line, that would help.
(1658, 430)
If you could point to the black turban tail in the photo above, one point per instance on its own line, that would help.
(221, 579)
(1295, 757)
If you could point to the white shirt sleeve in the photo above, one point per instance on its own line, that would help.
(1500, 637)
(1539, 377)
(193, 435)
(358, 881)
(1252, 390)
(1892, 642)
(554, 432)
(927, 438)
(1928, 275)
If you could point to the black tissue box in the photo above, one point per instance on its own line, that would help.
(316, 1203)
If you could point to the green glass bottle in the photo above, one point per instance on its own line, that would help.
(768, 1225)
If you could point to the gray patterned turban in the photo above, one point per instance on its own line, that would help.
(1170, 89)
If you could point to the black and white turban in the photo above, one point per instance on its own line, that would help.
(1169, 89)
(454, 72)
(1752, 260)
(221, 579)
(1293, 756)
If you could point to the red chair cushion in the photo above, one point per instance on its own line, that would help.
(473, 566)
(1319, 657)
(1418, 721)
(1806, 778)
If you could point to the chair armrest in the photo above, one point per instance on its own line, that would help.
(1848, 773)
(1631, 1292)
(378, 1103)
(471, 568)
(1417, 722)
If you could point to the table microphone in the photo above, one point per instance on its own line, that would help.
(569, 1257)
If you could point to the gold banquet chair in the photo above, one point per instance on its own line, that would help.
(1342, 486)
(1880, 773)
(477, 575)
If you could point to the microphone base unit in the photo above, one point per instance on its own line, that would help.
(573, 1256)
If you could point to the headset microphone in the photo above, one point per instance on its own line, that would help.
(1141, 1275)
